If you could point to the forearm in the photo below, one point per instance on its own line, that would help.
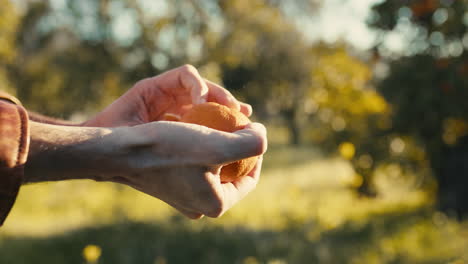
(65, 152)
(104, 154)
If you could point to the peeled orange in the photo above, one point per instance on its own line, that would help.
(226, 119)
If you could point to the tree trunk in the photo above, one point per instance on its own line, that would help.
(453, 179)
(294, 127)
(366, 189)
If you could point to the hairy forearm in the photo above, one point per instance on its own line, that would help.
(104, 154)
(65, 152)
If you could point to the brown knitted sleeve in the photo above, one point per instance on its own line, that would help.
(14, 146)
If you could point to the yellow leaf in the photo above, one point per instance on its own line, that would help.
(91, 253)
(347, 150)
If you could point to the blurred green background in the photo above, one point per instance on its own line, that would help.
(365, 102)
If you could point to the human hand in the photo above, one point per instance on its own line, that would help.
(171, 92)
(175, 162)
(180, 163)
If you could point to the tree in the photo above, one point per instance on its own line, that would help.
(426, 87)
(258, 61)
(58, 71)
(73, 53)
(9, 19)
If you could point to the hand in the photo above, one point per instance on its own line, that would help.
(171, 92)
(178, 163)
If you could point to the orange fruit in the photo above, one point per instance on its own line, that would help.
(222, 118)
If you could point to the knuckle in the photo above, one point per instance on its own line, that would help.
(216, 210)
(260, 144)
(193, 216)
(189, 68)
(215, 207)
(141, 83)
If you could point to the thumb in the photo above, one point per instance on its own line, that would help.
(248, 142)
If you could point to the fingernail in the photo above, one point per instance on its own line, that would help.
(200, 100)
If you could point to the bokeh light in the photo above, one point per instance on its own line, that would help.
(364, 101)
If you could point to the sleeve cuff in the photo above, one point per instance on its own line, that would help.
(14, 146)
(11, 99)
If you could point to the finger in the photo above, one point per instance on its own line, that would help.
(235, 191)
(222, 96)
(188, 213)
(171, 117)
(195, 144)
(191, 79)
(255, 172)
(248, 142)
(247, 183)
(194, 216)
(246, 109)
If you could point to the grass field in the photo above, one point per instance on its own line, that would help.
(301, 212)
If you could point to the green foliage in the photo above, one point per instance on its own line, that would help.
(409, 238)
(427, 88)
(8, 23)
(59, 73)
(446, 17)
(280, 222)
(74, 58)
(76, 54)
(321, 93)
(259, 63)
